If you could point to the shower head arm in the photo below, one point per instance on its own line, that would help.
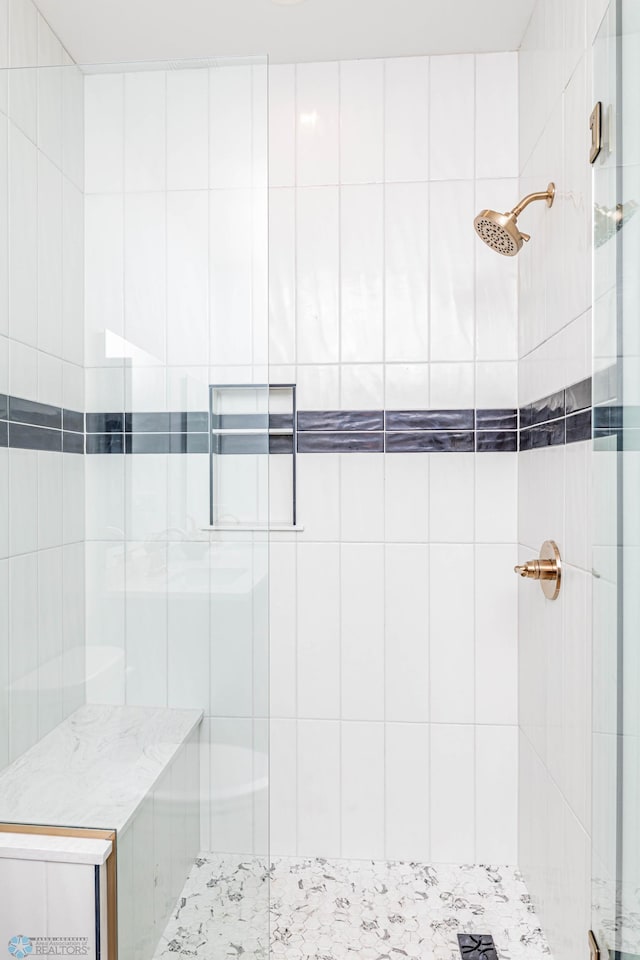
(547, 195)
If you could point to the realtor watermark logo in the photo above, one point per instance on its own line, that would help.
(21, 947)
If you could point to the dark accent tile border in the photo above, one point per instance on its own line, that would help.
(172, 422)
(562, 417)
(166, 443)
(431, 441)
(578, 426)
(340, 442)
(25, 437)
(73, 421)
(239, 443)
(281, 443)
(354, 421)
(4, 433)
(429, 419)
(239, 421)
(497, 419)
(72, 442)
(35, 414)
(105, 422)
(578, 396)
(545, 435)
(497, 441)
(477, 946)
(105, 443)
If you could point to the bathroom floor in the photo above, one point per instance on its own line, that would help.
(364, 910)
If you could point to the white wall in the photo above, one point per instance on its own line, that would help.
(393, 614)
(555, 482)
(41, 356)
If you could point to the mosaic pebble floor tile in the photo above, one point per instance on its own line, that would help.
(348, 910)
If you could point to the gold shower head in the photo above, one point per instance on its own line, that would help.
(500, 230)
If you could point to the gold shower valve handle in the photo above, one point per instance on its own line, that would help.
(538, 570)
(547, 569)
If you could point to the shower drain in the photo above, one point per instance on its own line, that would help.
(477, 946)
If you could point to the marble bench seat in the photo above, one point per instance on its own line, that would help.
(130, 770)
(95, 768)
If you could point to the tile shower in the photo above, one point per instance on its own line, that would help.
(395, 724)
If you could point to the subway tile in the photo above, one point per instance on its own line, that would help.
(282, 125)
(506, 419)
(496, 115)
(105, 422)
(452, 289)
(429, 420)
(233, 421)
(406, 128)
(407, 791)
(340, 442)
(362, 790)
(452, 102)
(548, 435)
(492, 441)
(548, 408)
(578, 427)
(451, 498)
(184, 422)
(73, 421)
(169, 443)
(406, 272)
(578, 396)
(361, 121)
(36, 414)
(225, 443)
(451, 811)
(318, 760)
(407, 632)
(230, 115)
(187, 256)
(406, 490)
(319, 496)
(334, 420)
(4, 407)
(496, 792)
(281, 444)
(362, 498)
(105, 443)
(34, 438)
(496, 639)
(318, 630)
(104, 133)
(361, 273)
(187, 129)
(429, 441)
(281, 421)
(451, 633)
(144, 130)
(72, 442)
(282, 786)
(362, 631)
(317, 125)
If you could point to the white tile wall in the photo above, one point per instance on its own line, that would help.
(41, 357)
(555, 350)
(375, 300)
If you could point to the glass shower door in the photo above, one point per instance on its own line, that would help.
(616, 556)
